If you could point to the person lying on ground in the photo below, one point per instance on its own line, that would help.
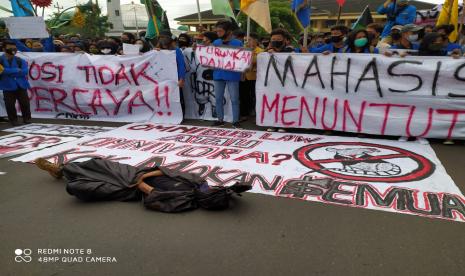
(161, 189)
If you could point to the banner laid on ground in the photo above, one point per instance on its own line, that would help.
(18, 143)
(412, 96)
(199, 91)
(402, 177)
(105, 88)
(62, 130)
(225, 58)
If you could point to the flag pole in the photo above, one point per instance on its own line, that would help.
(200, 16)
(461, 21)
(248, 31)
(339, 15)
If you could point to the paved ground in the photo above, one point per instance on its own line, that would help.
(262, 235)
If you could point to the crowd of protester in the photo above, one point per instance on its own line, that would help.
(398, 37)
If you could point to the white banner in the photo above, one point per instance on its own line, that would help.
(105, 88)
(225, 58)
(199, 91)
(362, 93)
(66, 130)
(365, 173)
(18, 143)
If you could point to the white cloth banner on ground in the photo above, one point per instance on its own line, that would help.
(385, 175)
(199, 91)
(65, 130)
(105, 88)
(363, 93)
(225, 58)
(19, 143)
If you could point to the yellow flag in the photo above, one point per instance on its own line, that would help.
(450, 15)
(259, 11)
(246, 3)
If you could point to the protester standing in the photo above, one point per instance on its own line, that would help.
(337, 44)
(248, 94)
(14, 84)
(398, 12)
(223, 78)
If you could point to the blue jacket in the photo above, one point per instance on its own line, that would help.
(227, 75)
(406, 16)
(329, 47)
(415, 46)
(181, 64)
(12, 76)
(47, 44)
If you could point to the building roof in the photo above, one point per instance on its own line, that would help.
(208, 14)
(321, 7)
(357, 6)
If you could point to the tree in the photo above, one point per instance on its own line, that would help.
(87, 21)
(281, 17)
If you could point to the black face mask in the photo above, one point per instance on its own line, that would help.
(277, 44)
(336, 39)
(434, 47)
(327, 40)
(396, 36)
(266, 44)
(11, 51)
(371, 36)
(183, 44)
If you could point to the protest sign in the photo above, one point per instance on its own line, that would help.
(130, 49)
(363, 93)
(26, 27)
(18, 143)
(365, 173)
(199, 91)
(105, 88)
(225, 58)
(66, 130)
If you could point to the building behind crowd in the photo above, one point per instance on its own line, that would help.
(324, 14)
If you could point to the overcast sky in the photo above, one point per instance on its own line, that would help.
(175, 8)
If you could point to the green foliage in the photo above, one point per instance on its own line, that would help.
(96, 25)
(281, 17)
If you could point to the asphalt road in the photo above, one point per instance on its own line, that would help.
(261, 235)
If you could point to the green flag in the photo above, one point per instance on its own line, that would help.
(364, 19)
(158, 21)
(222, 7)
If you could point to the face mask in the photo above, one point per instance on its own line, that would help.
(327, 40)
(277, 44)
(371, 36)
(361, 42)
(37, 49)
(396, 36)
(336, 39)
(199, 42)
(11, 51)
(435, 47)
(266, 44)
(413, 38)
(105, 51)
(183, 44)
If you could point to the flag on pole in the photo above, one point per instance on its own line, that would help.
(222, 7)
(259, 11)
(341, 2)
(364, 19)
(302, 10)
(450, 15)
(158, 21)
(22, 8)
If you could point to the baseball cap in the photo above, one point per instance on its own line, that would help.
(411, 28)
